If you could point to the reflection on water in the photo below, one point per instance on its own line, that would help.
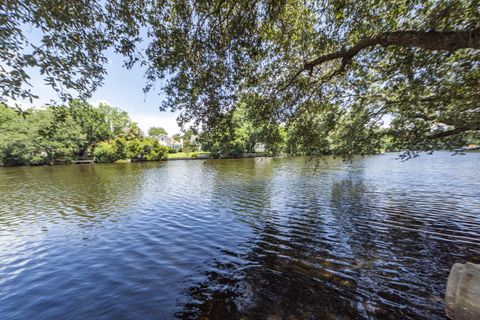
(237, 239)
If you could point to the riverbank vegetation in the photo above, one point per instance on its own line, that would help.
(77, 131)
(187, 155)
(62, 134)
(320, 77)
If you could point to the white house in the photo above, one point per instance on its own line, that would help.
(163, 140)
(170, 142)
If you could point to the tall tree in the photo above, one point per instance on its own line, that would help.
(100, 123)
(37, 136)
(157, 131)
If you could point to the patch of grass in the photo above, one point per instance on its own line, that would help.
(184, 154)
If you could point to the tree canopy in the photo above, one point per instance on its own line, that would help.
(157, 131)
(79, 130)
(338, 72)
(36, 138)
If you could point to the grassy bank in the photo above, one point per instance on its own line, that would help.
(180, 155)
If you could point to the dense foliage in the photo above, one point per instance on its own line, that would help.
(332, 72)
(35, 138)
(157, 131)
(242, 131)
(103, 133)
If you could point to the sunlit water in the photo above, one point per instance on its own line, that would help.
(270, 239)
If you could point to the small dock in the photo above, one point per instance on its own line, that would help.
(84, 161)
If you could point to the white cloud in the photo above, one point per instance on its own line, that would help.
(96, 103)
(166, 121)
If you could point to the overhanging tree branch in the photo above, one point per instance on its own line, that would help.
(448, 133)
(455, 131)
(428, 40)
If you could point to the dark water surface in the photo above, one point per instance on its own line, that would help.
(237, 239)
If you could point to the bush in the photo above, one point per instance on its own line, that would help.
(147, 149)
(194, 155)
(120, 149)
(134, 149)
(122, 161)
(104, 152)
(172, 150)
(153, 151)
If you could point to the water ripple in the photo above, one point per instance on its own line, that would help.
(270, 239)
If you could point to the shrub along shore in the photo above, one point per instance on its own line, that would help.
(62, 134)
(82, 133)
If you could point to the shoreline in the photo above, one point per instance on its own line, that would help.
(201, 157)
(92, 162)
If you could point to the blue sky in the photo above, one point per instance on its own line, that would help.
(122, 89)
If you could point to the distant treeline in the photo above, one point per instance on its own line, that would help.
(76, 131)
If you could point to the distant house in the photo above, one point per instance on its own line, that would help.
(170, 142)
(176, 144)
(193, 139)
(472, 147)
(163, 140)
(193, 142)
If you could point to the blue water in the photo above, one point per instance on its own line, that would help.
(288, 238)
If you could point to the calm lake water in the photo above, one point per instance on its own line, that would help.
(258, 238)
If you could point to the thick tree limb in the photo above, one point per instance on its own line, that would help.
(428, 40)
(455, 131)
(448, 133)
